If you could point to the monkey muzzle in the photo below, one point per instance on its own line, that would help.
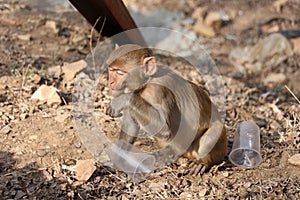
(118, 92)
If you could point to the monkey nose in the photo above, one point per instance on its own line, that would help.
(111, 83)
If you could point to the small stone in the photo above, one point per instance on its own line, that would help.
(296, 45)
(6, 130)
(156, 186)
(186, 195)
(70, 70)
(214, 20)
(270, 28)
(52, 25)
(279, 4)
(248, 184)
(77, 145)
(84, 169)
(202, 192)
(198, 13)
(32, 137)
(23, 116)
(46, 94)
(61, 118)
(77, 38)
(48, 176)
(225, 174)
(204, 29)
(295, 159)
(26, 37)
(275, 78)
(36, 78)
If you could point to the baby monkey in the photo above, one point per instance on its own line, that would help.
(156, 100)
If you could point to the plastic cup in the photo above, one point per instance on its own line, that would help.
(131, 160)
(245, 151)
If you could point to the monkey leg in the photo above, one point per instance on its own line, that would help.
(213, 145)
(216, 152)
(129, 128)
(197, 168)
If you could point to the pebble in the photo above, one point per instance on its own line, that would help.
(23, 116)
(295, 159)
(70, 70)
(26, 37)
(52, 25)
(46, 94)
(84, 169)
(6, 130)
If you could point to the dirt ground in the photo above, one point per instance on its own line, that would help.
(39, 143)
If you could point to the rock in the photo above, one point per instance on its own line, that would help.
(54, 71)
(295, 159)
(77, 38)
(26, 37)
(156, 186)
(270, 28)
(84, 169)
(214, 20)
(61, 118)
(186, 195)
(23, 116)
(5, 130)
(272, 50)
(71, 69)
(32, 137)
(247, 185)
(203, 192)
(52, 25)
(225, 174)
(296, 45)
(275, 78)
(269, 52)
(279, 4)
(204, 29)
(36, 78)
(199, 13)
(46, 94)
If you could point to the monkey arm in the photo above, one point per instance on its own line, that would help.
(118, 104)
(152, 118)
(129, 128)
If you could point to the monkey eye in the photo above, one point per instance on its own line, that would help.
(110, 68)
(120, 72)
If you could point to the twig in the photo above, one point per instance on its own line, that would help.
(292, 93)
(24, 79)
(98, 39)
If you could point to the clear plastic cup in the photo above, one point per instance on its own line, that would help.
(131, 160)
(245, 151)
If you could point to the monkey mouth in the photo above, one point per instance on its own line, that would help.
(116, 92)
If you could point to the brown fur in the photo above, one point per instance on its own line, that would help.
(147, 92)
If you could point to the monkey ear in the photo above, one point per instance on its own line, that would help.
(116, 46)
(149, 64)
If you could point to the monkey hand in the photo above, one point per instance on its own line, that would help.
(113, 112)
(117, 105)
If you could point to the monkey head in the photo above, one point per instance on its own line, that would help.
(129, 68)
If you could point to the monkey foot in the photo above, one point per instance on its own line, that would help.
(197, 168)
